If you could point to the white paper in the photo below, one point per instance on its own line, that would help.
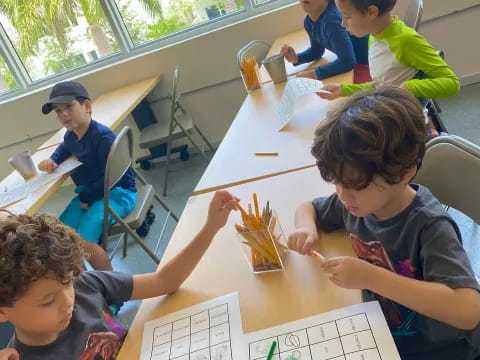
(295, 88)
(210, 330)
(10, 196)
(357, 332)
(21, 191)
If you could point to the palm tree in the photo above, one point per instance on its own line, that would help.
(35, 19)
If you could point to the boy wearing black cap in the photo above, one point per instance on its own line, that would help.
(90, 142)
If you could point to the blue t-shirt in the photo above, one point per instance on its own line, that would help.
(328, 33)
(92, 150)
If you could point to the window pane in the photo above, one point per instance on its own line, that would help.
(261, 1)
(152, 19)
(57, 35)
(7, 81)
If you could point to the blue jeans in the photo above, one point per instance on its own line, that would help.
(89, 223)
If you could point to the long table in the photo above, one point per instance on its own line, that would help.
(255, 129)
(266, 300)
(109, 109)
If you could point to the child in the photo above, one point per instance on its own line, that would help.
(410, 255)
(396, 53)
(323, 25)
(60, 312)
(90, 142)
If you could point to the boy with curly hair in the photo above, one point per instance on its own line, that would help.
(61, 312)
(409, 251)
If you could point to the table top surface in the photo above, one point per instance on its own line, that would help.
(266, 300)
(255, 129)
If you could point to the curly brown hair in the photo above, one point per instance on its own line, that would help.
(371, 133)
(383, 6)
(34, 246)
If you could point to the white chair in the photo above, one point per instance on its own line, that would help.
(451, 170)
(413, 17)
(256, 48)
(180, 125)
(120, 159)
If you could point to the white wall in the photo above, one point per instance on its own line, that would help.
(210, 59)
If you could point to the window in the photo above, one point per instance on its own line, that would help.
(54, 36)
(46, 41)
(145, 22)
(7, 81)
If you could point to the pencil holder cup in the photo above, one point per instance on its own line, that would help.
(249, 73)
(264, 248)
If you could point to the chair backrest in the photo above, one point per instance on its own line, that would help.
(175, 91)
(256, 48)
(413, 18)
(451, 170)
(119, 159)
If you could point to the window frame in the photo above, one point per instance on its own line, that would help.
(128, 50)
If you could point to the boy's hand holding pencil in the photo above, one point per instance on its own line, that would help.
(220, 207)
(303, 240)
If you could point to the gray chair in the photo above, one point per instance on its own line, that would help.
(451, 170)
(256, 48)
(180, 124)
(120, 159)
(6, 333)
(413, 17)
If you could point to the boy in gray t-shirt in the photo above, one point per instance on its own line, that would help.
(61, 312)
(409, 252)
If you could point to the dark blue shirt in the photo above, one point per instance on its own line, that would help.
(328, 33)
(92, 150)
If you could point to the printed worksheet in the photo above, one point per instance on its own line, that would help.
(357, 332)
(295, 88)
(208, 331)
(14, 194)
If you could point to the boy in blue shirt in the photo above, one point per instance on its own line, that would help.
(61, 312)
(323, 24)
(90, 142)
(409, 251)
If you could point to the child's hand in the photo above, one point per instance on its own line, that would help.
(349, 272)
(309, 74)
(334, 89)
(47, 165)
(83, 205)
(289, 53)
(9, 354)
(303, 240)
(222, 203)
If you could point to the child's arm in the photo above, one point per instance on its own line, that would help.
(417, 53)
(341, 45)
(305, 236)
(9, 354)
(327, 212)
(60, 154)
(170, 276)
(435, 300)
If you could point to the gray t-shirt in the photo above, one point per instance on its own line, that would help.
(93, 333)
(422, 242)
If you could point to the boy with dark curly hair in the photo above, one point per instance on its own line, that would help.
(61, 312)
(409, 251)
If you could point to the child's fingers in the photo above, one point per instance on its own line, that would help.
(330, 263)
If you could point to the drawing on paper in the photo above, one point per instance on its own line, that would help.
(292, 340)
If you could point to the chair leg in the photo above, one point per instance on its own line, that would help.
(204, 138)
(136, 238)
(193, 142)
(169, 149)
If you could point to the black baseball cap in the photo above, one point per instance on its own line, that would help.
(64, 93)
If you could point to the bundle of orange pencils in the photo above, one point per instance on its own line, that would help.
(258, 233)
(249, 68)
